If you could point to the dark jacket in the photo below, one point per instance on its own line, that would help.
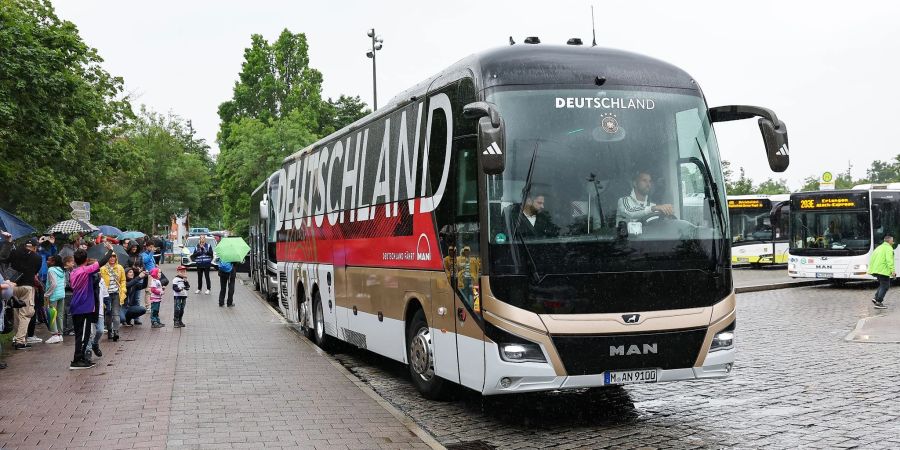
(203, 255)
(543, 224)
(134, 287)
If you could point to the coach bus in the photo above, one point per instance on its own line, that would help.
(263, 266)
(759, 228)
(833, 233)
(471, 228)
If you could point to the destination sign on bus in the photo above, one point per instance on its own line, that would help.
(750, 203)
(846, 201)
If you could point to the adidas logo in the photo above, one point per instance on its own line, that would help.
(493, 149)
(783, 151)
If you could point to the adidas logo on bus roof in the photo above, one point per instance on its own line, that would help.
(493, 149)
(783, 151)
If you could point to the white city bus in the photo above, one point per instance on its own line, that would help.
(418, 232)
(759, 228)
(833, 233)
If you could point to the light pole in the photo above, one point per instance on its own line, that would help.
(376, 45)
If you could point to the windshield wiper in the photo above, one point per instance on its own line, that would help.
(526, 190)
(714, 203)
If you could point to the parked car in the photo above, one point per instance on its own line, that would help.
(199, 232)
(190, 244)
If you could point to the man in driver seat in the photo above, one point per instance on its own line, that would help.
(637, 206)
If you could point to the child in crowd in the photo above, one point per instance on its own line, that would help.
(180, 288)
(55, 294)
(156, 292)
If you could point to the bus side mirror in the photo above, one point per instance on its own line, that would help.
(491, 136)
(774, 131)
(264, 209)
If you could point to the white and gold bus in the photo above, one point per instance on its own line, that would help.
(759, 228)
(472, 228)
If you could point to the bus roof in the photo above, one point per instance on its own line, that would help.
(528, 64)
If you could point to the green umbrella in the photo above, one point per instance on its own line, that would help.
(232, 249)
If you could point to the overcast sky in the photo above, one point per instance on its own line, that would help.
(827, 69)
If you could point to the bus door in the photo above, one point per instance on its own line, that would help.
(780, 220)
(462, 263)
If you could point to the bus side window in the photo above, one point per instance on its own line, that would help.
(884, 218)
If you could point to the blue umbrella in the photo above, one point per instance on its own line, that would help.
(14, 225)
(131, 235)
(109, 230)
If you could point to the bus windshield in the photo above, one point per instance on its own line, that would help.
(750, 226)
(830, 232)
(604, 181)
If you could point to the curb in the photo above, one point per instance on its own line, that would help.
(772, 287)
(407, 421)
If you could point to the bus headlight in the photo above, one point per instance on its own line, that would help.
(514, 348)
(522, 352)
(724, 339)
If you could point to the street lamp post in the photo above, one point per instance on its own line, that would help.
(376, 45)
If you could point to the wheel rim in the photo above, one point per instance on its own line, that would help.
(320, 322)
(421, 355)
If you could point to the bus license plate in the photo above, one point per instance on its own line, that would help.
(743, 260)
(630, 376)
(824, 275)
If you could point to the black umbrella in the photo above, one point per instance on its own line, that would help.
(97, 252)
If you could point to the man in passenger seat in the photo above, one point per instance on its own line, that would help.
(637, 205)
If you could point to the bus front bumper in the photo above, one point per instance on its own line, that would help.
(534, 377)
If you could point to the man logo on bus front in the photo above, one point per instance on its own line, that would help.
(631, 318)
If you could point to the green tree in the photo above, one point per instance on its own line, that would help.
(335, 115)
(743, 185)
(59, 114)
(276, 109)
(771, 186)
(165, 173)
(884, 171)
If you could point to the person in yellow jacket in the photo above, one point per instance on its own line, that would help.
(113, 277)
(881, 266)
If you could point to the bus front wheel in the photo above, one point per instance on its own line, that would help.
(420, 354)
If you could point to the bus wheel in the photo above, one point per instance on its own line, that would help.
(420, 354)
(319, 336)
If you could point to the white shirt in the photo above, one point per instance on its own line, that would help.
(630, 209)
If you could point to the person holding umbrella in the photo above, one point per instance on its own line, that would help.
(230, 250)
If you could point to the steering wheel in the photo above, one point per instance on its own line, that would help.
(656, 215)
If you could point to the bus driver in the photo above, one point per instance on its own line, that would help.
(636, 206)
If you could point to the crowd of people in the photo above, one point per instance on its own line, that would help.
(82, 297)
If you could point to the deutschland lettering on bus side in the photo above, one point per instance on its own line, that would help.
(332, 183)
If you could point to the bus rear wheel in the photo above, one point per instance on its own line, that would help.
(319, 337)
(420, 354)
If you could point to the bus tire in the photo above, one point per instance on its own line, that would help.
(420, 354)
(318, 329)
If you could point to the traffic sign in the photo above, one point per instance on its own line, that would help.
(80, 206)
(81, 215)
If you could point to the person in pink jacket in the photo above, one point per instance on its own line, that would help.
(156, 292)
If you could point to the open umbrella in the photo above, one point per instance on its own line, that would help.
(232, 249)
(71, 226)
(97, 252)
(14, 225)
(131, 235)
(109, 230)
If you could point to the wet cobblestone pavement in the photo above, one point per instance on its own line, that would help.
(797, 383)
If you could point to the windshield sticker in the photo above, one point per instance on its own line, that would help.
(500, 238)
(604, 103)
(609, 123)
